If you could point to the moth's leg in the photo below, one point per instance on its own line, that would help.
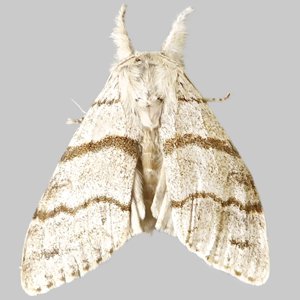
(164, 220)
(137, 203)
(79, 120)
(74, 121)
(137, 192)
(216, 99)
(161, 206)
(135, 218)
(159, 193)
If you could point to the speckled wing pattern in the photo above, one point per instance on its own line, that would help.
(216, 211)
(84, 215)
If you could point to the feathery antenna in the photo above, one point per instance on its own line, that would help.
(120, 36)
(174, 43)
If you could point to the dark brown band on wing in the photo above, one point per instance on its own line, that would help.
(240, 244)
(198, 100)
(100, 102)
(44, 215)
(124, 143)
(207, 143)
(248, 208)
(50, 253)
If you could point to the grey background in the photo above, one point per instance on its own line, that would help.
(52, 51)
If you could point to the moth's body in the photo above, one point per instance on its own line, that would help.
(149, 154)
(151, 158)
(146, 77)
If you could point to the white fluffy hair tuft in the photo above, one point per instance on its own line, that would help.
(174, 43)
(120, 36)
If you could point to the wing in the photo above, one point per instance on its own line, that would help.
(87, 211)
(215, 207)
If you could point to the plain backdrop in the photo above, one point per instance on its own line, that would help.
(54, 51)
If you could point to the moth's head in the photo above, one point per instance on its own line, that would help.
(146, 78)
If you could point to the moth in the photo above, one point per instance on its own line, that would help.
(148, 154)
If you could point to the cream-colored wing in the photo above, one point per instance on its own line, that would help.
(88, 210)
(215, 207)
